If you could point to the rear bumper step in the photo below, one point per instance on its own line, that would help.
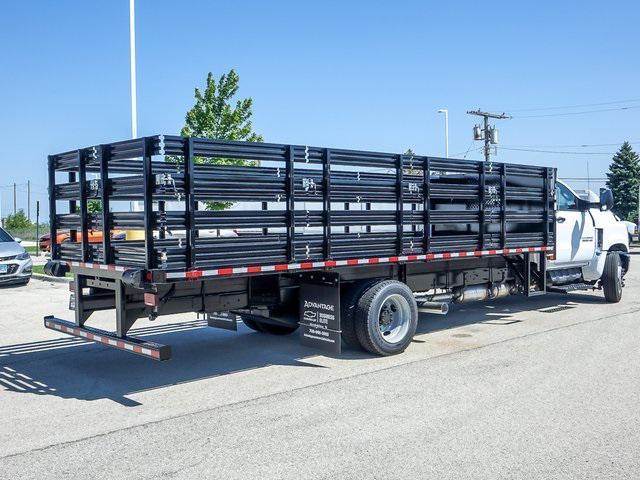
(135, 345)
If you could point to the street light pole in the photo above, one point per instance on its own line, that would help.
(132, 51)
(133, 206)
(446, 131)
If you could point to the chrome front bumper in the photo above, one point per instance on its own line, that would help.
(18, 271)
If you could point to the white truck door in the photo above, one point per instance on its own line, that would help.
(575, 231)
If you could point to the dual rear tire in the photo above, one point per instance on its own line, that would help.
(380, 317)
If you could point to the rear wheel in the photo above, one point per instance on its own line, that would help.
(254, 323)
(348, 303)
(386, 318)
(612, 278)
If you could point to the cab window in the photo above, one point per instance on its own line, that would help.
(566, 199)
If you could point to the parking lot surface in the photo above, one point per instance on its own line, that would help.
(540, 388)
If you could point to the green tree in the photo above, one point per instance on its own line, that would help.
(215, 116)
(623, 180)
(17, 221)
(94, 206)
(411, 154)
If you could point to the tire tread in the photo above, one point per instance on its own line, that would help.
(612, 291)
(348, 306)
(362, 315)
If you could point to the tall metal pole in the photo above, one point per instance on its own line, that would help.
(29, 199)
(133, 206)
(14, 198)
(132, 51)
(37, 228)
(446, 131)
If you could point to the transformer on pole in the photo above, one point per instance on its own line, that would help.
(487, 132)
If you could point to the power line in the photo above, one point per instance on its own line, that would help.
(582, 145)
(468, 150)
(556, 151)
(584, 112)
(585, 179)
(474, 150)
(574, 106)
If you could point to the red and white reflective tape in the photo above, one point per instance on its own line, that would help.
(62, 326)
(97, 266)
(195, 274)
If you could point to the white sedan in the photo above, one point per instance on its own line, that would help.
(15, 262)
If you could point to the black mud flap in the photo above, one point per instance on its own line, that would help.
(320, 311)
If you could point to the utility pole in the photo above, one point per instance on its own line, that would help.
(14, 199)
(488, 133)
(29, 199)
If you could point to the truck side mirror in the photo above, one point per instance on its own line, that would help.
(606, 199)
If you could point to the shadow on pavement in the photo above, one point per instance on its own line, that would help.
(501, 312)
(69, 367)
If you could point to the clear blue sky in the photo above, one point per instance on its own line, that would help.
(363, 74)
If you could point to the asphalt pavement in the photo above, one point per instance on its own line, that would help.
(547, 387)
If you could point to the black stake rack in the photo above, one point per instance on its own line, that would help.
(289, 203)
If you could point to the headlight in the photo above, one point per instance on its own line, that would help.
(23, 256)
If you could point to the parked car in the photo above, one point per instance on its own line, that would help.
(95, 236)
(15, 262)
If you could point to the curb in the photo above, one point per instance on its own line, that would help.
(47, 278)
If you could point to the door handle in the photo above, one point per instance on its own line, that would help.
(560, 219)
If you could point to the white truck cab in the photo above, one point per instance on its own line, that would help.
(591, 243)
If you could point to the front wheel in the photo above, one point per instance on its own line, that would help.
(386, 318)
(612, 278)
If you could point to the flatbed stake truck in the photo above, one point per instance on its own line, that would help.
(343, 246)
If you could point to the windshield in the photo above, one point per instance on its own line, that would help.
(4, 236)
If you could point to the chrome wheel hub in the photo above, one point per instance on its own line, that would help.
(394, 318)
